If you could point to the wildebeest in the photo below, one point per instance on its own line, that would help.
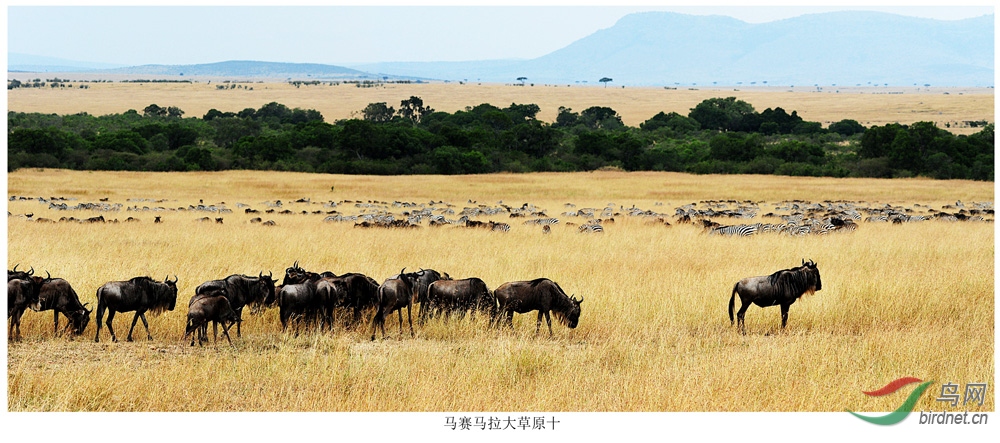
(781, 288)
(241, 290)
(423, 280)
(58, 296)
(361, 290)
(140, 294)
(540, 294)
(461, 295)
(212, 306)
(300, 300)
(21, 294)
(394, 294)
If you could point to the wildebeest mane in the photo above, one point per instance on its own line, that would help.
(158, 291)
(791, 283)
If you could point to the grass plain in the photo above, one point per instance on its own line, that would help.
(868, 105)
(654, 335)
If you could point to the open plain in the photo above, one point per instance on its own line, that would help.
(948, 107)
(909, 299)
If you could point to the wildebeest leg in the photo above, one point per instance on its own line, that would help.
(239, 319)
(784, 315)
(215, 331)
(225, 331)
(55, 321)
(538, 323)
(409, 319)
(739, 315)
(111, 316)
(100, 316)
(400, 311)
(510, 319)
(548, 321)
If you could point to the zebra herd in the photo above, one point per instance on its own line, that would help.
(793, 218)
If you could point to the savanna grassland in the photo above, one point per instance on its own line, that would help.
(914, 299)
(868, 105)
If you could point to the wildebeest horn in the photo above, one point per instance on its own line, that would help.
(402, 271)
(803, 262)
(88, 311)
(32, 271)
(48, 276)
(175, 278)
(15, 267)
(260, 274)
(269, 273)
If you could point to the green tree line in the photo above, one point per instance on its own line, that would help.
(719, 135)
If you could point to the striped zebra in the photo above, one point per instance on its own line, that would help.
(499, 227)
(542, 221)
(591, 227)
(739, 230)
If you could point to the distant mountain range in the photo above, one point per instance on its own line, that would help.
(663, 48)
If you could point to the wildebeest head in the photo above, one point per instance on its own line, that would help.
(810, 269)
(168, 296)
(294, 274)
(573, 314)
(80, 318)
(266, 287)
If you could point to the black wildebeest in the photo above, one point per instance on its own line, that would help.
(781, 288)
(461, 295)
(140, 294)
(540, 294)
(211, 306)
(395, 294)
(241, 290)
(21, 294)
(58, 296)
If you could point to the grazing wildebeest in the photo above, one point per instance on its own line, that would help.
(461, 295)
(21, 294)
(393, 295)
(540, 294)
(211, 306)
(241, 290)
(781, 288)
(58, 296)
(140, 294)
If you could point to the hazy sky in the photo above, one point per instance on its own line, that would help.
(136, 35)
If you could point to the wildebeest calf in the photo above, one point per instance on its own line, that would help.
(213, 307)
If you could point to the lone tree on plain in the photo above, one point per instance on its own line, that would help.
(605, 80)
(522, 79)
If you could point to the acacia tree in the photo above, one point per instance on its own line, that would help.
(378, 112)
(413, 109)
(605, 80)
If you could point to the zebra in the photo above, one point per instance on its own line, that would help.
(542, 221)
(740, 230)
(591, 227)
(501, 227)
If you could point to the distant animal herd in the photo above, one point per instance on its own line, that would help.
(309, 298)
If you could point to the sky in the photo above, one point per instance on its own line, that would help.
(349, 35)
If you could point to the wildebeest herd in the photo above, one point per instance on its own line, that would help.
(303, 299)
(307, 298)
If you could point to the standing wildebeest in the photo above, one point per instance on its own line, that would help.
(300, 300)
(395, 293)
(21, 294)
(361, 290)
(461, 295)
(211, 306)
(57, 295)
(241, 290)
(423, 281)
(540, 294)
(140, 294)
(781, 288)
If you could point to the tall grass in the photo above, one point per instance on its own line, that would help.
(654, 334)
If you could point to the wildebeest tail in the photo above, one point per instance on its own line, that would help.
(732, 301)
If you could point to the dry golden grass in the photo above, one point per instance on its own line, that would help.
(654, 335)
(869, 106)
